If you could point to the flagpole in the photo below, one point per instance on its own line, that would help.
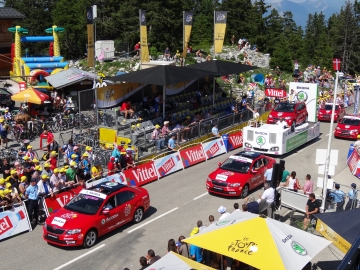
(140, 39)
(183, 33)
(328, 151)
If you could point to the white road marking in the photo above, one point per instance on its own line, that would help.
(146, 223)
(198, 197)
(78, 258)
(330, 133)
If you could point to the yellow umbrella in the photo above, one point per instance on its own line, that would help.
(177, 262)
(30, 95)
(261, 242)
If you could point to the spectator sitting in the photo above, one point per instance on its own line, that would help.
(241, 79)
(224, 214)
(312, 207)
(183, 249)
(172, 144)
(157, 136)
(236, 207)
(172, 246)
(151, 258)
(282, 123)
(111, 166)
(253, 205)
(167, 54)
(137, 48)
(177, 55)
(126, 109)
(244, 208)
(165, 131)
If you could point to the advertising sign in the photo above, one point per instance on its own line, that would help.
(296, 141)
(214, 148)
(142, 174)
(235, 140)
(118, 178)
(13, 222)
(187, 22)
(353, 161)
(53, 204)
(220, 18)
(192, 155)
(168, 164)
(307, 92)
(275, 92)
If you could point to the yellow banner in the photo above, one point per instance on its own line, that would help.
(187, 34)
(112, 95)
(90, 49)
(187, 23)
(331, 235)
(219, 30)
(144, 49)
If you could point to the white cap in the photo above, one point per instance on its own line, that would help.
(222, 209)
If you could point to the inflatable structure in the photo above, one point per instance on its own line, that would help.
(34, 69)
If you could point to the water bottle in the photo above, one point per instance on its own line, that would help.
(9, 221)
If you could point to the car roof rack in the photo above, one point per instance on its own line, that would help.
(107, 187)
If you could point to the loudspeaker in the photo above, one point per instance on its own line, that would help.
(282, 166)
(275, 175)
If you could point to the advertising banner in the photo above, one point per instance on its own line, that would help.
(118, 178)
(214, 148)
(13, 222)
(53, 204)
(144, 49)
(219, 30)
(90, 35)
(142, 174)
(192, 155)
(112, 95)
(187, 22)
(275, 92)
(307, 92)
(168, 164)
(353, 162)
(296, 141)
(235, 140)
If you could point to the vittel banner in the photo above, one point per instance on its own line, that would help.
(13, 222)
(192, 155)
(168, 164)
(235, 140)
(214, 148)
(142, 174)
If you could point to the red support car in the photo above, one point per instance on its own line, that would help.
(293, 113)
(95, 212)
(239, 174)
(348, 127)
(324, 114)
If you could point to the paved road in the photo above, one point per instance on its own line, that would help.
(178, 202)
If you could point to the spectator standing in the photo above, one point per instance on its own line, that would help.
(3, 134)
(309, 185)
(31, 194)
(111, 166)
(183, 248)
(23, 186)
(211, 219)
(195, 251)
(312, 207)
(44, 187)
(269, 197)
(165, 131)
(352, 195)
(292, 182)
(253, 205)
(172, 246)
(268, 175)
(167, 54)
(224, 214)
(96, 170)
(5, 168)
(339, 197)
(53, 160)
(285, 175)
(56, 182)
(51, 144)
(46, 170)
(71, 172)
(233, 40)
(143, 263)
(215, 131)
(244, 208)
(151, 257)
(85, 166)
(137, 48)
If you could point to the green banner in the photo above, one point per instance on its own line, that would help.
(296, 141)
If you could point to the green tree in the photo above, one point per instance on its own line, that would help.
(282, 56)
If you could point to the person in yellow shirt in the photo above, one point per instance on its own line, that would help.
(96, 170)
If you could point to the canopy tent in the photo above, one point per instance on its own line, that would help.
(162, 75)
(30, 95)
(272, 245)
(342, 234)
(175, 261)
(70, 76)
(221, 68)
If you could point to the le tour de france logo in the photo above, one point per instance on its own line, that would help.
(244, 246)
(260, 140)
(189, 18)
(142, 17)
(221, 17)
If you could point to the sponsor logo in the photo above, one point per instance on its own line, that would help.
(112, 217)
(58, 221)
(275, 92)
(146, 173)
(53, 236)
(302, 87)
(221, 17)
(168, 165)
(287, 238)
(280, 114)
(221, 177)
(236, 141)
(69, 216)
(260, 133)
(244, 246)
(142, 17)
(260, 140)
(213, 150)
(195, 155)
(189, 18)
(63, 200)
(299, 249)
(127, 210)
(302, 96)
(5, 225)
(347, 126)
(103, 221)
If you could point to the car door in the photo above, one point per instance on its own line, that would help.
(258, 177)
(299, 116)
(126, 204)
(108, 220)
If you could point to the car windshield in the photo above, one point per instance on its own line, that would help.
(329, 107)
(350, 121)
(85, 204)
(284, 107)
(236, 165)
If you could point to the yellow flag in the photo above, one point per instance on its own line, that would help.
(219, 30)
(144, 49)
(90, 34)
(188, 19)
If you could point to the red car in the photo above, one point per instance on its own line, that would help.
(95, 212)
(293, 113)
(348, 127)
(238, 174)
(324, 113)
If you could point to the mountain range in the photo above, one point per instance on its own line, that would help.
(301, 8)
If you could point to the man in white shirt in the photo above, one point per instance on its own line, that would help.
(268, 196)
(224, 214)
(282, 123)
(268, 175)
(44, 187)
(292, 97)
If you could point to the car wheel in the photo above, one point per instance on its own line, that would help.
(138, 215)
(245, 191)
(90, 239)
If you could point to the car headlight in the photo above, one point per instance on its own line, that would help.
(270, 116)
(288, 117)
(337, 128)
(234, 185)
(354, 130)
(274, 148)
(208, 179)
(248, 145)
(320, 113)
(74, 231)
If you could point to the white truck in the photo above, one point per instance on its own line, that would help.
(275, 140)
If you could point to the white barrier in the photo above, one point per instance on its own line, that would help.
(14, 221)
